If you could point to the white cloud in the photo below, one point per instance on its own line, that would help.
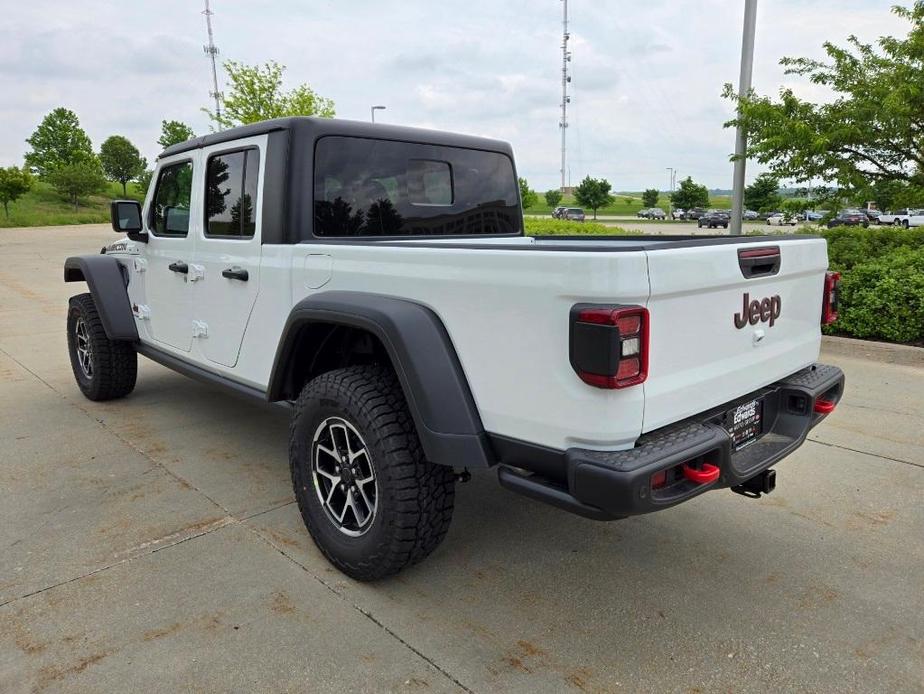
(646, 87)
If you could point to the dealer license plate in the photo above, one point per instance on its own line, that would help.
(744, 423)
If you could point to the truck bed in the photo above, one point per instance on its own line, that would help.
(505, 302)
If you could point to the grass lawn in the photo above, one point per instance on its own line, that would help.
(625, 204)
(42, 206)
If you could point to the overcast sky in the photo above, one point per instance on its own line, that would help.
(647, 76)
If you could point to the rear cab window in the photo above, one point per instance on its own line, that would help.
(367, 187)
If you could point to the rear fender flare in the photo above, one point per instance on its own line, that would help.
(424, 359)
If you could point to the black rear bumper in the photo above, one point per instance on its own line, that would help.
(614, 484)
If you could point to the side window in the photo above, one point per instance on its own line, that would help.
(231, 194)
(170, 208)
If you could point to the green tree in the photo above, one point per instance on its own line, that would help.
(871, 130)
(173, 132)
(255, 93)
(57, 141)
(76, 180)
(552, 198)
(763, 195)
(888, 195)
(650, 197)
(593, 193)
(796, 206)
(144, 181)
(690, 194)
(121, 160)
(528, 197)
(14, 182)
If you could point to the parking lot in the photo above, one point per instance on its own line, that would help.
(153, 543)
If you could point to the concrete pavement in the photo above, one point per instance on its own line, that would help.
(152, 543)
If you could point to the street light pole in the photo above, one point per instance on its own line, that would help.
(744, 87)
(670, 202)
(373, 109)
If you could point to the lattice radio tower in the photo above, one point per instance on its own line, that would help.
(212, 51)
(565, 99)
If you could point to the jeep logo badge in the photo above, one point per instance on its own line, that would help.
(762, 310)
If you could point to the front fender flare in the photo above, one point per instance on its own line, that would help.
(103, 275)
(424, 358)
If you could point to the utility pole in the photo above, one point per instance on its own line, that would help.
(373, 109)
(744, 87)
(565, 99)
(670, 202)
(212, 51)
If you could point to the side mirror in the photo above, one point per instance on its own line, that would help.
(126, 219)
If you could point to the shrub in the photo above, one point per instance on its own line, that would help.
(882, 284)
(884, 297)
(849, 246)
(538, 226)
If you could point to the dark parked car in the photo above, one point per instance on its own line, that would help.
(574, 214)
(695, 213)
(713, 219)
(849, 218)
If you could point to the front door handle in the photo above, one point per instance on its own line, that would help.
(179, 266)
(236, 273)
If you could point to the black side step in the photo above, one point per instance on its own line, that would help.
(540, 489)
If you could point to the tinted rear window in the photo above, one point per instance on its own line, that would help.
(366, 187)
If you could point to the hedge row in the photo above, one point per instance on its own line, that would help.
(882, 282)
(539, 226)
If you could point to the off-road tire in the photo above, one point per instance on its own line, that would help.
(415, 498)
(114, 363)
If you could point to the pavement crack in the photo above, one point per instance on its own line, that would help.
(368, 615)
(212, 527)
(874, 455)
(256, 514)
(118, 436)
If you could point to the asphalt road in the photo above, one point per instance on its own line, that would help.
(153, 544)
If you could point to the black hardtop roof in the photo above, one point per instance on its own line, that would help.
(318, 127)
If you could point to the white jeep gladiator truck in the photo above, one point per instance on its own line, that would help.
(377, 280)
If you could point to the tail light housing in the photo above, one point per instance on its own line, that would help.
(609, 344)
(829, 299)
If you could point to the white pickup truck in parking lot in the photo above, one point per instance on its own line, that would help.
(905, 217)
(377, 279)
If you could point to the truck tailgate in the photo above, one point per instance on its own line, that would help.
(699, 358)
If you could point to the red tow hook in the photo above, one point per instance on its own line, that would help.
(709, 473)
(824, 406)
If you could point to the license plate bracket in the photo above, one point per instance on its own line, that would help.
(744, 423)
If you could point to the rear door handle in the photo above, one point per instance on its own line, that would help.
(236, 273)
(179, 266)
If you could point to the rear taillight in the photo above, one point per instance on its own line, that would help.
(829, 300)
(609, 345)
